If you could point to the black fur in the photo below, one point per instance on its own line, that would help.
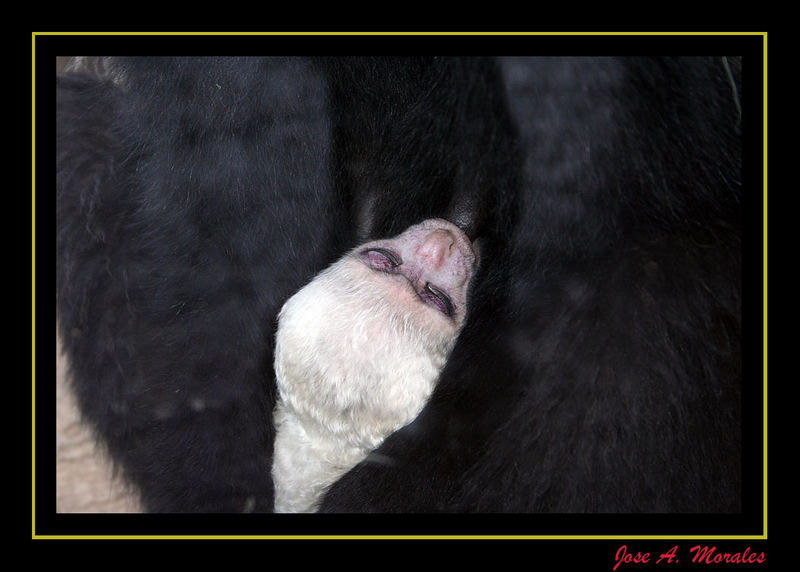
(600, 369)
(210, 204)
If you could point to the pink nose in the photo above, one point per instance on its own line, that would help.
(436, 248)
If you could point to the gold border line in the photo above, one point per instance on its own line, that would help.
(398, 33)
(764, 316)
(661, 537)
(33, 284)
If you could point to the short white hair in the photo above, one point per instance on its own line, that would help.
(352, 366)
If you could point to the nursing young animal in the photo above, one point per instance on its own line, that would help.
(358, 353)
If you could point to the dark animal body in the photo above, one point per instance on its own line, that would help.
(600, 368)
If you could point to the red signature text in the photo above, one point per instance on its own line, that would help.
(699, 555)
(624, 557)
(710, 555)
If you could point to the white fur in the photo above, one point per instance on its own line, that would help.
(357, 356)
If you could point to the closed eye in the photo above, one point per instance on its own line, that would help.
(381, 259)
(439, 299)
